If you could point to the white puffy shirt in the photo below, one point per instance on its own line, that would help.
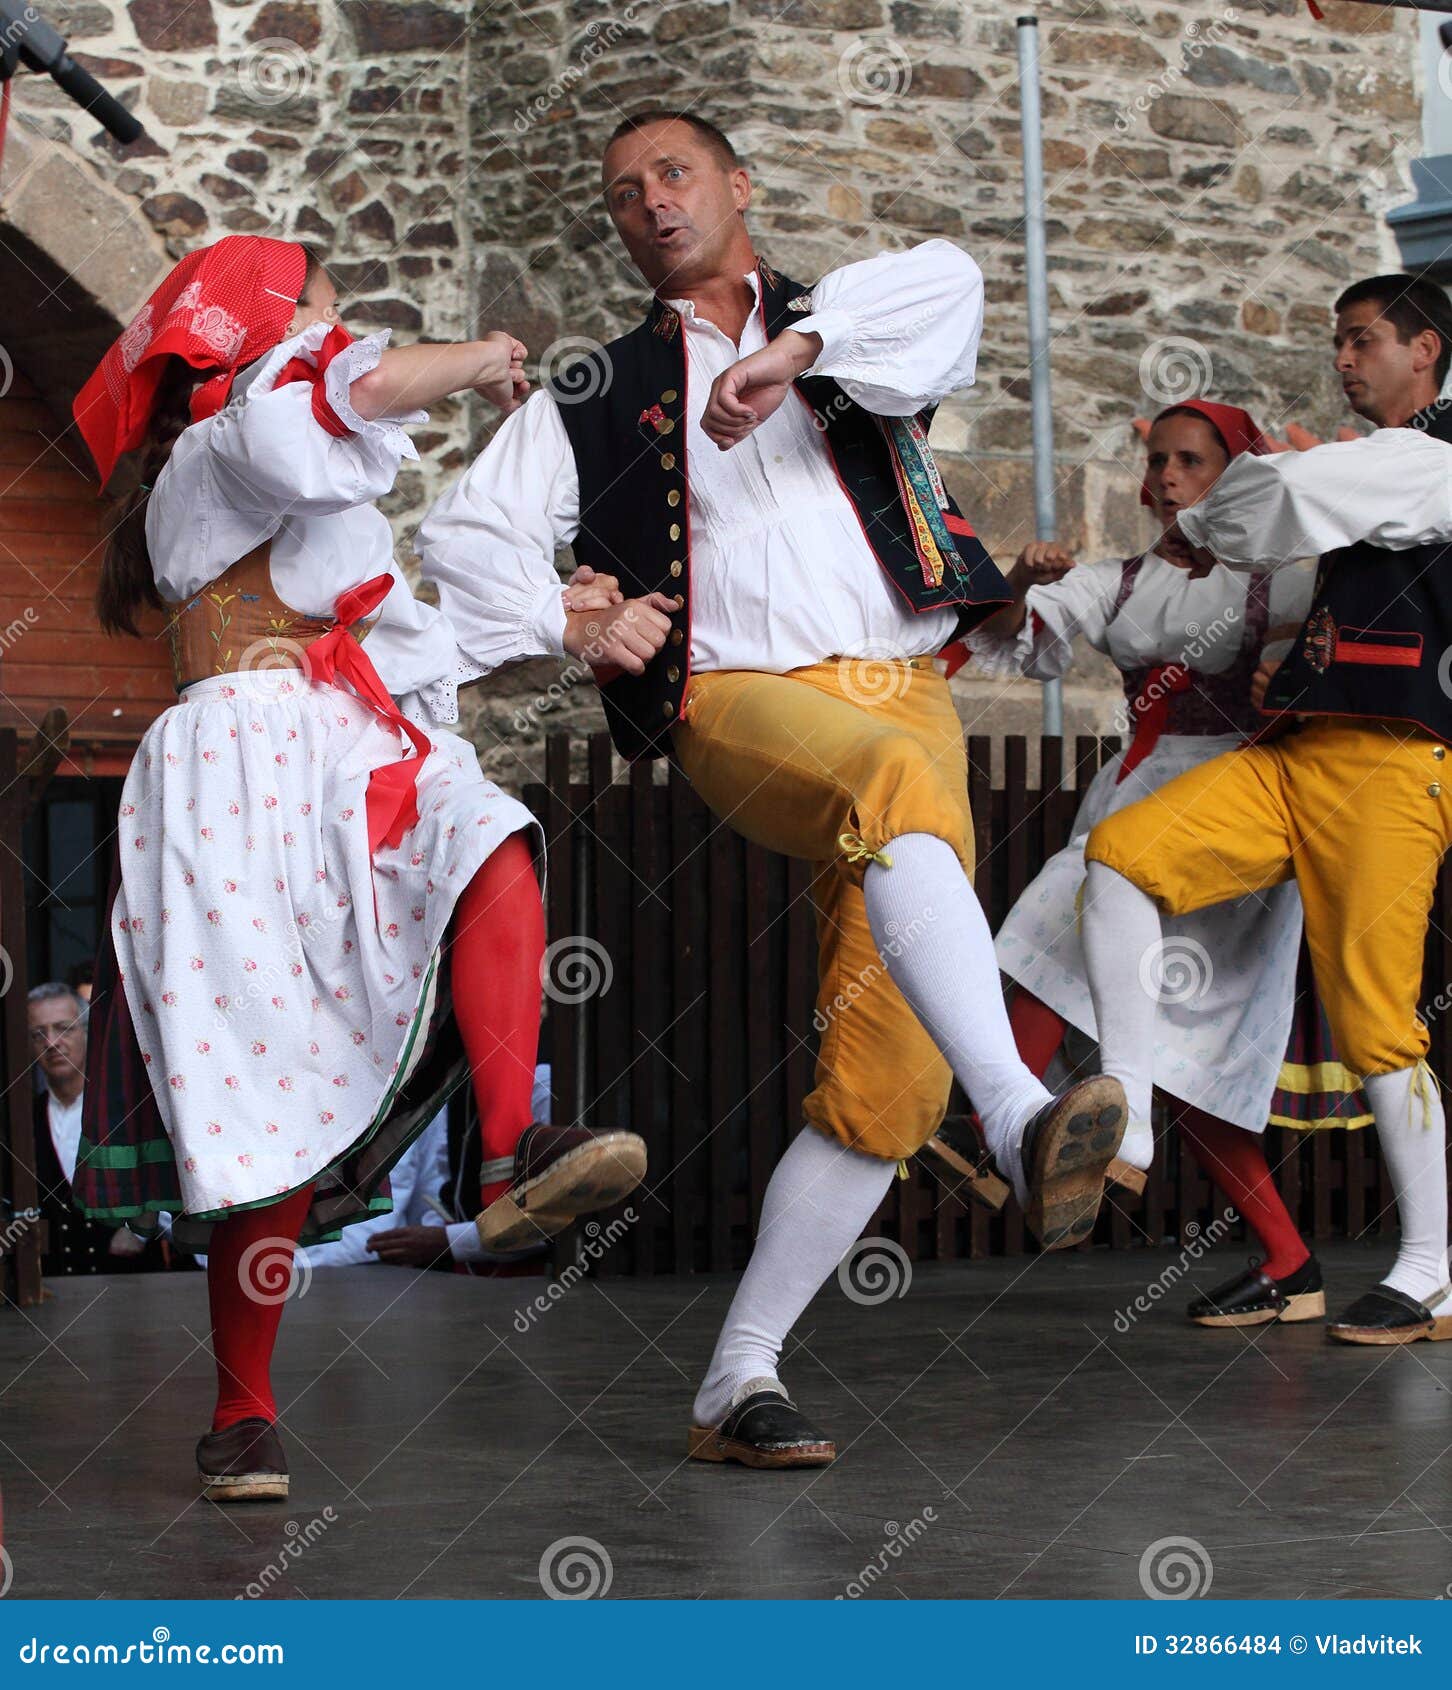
(264, 468)
(781, 573)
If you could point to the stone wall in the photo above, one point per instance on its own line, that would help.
(1216, 173)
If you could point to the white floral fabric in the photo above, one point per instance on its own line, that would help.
(273, 971)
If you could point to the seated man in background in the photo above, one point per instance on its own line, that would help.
(57, 1015)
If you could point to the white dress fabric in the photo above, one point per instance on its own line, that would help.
(1229, 972)
(782, 575)
(277, 976)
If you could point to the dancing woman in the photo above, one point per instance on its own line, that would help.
(319, 897)
(1188, 649)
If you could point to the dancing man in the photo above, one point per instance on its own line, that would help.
(1348, 793)
(756, 450)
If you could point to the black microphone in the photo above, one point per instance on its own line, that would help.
(25, 34)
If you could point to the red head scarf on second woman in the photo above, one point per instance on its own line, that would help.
(1238, 430)
(219, 308)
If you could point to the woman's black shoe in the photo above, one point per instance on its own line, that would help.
(1253, 1298)
(1386, 1316)
(764, 1429)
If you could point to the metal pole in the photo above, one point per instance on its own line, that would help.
(1036, 276)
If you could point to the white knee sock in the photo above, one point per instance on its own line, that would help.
(819, 1199)
(1122, 937)
(1412, 1131)
(931, 933)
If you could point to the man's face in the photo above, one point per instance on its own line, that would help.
(58, 1038)
(675, 201)
(1380, 374)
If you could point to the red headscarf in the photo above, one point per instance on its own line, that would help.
(1238, 430)
(221, 306)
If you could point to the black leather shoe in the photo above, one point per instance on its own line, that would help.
(764, 1429)
(1253, 1298)
(1387, 1316)
(243, 1463)
(1067, 1149)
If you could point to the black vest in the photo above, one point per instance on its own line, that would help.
(624, 411)
(1378, 639)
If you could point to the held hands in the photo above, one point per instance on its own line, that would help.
(1175, 548)
(745, 395)
(624, 636)
(589, 591)
(500, 375)
(1040, 562)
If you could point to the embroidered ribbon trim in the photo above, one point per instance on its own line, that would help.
(923, 498)
(392, 801)
(1151, 710)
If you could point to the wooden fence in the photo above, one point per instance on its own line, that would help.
(681, 992)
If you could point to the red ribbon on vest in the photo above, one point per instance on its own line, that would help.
(392, 802)
(1151, 710)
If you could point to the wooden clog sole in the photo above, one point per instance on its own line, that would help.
(705, 1444)
(1072, 1157)
(244, 1487)
(1305, 1305)
(597, 1174)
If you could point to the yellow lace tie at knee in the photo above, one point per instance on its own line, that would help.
(1423, 1082)
(858, 851)
(902, 1170)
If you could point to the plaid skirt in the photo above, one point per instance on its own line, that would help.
(126, 1169)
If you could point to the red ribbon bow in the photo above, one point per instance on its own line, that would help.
(392, 801)
(1151, 710)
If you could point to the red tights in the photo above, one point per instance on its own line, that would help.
(495, 973)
